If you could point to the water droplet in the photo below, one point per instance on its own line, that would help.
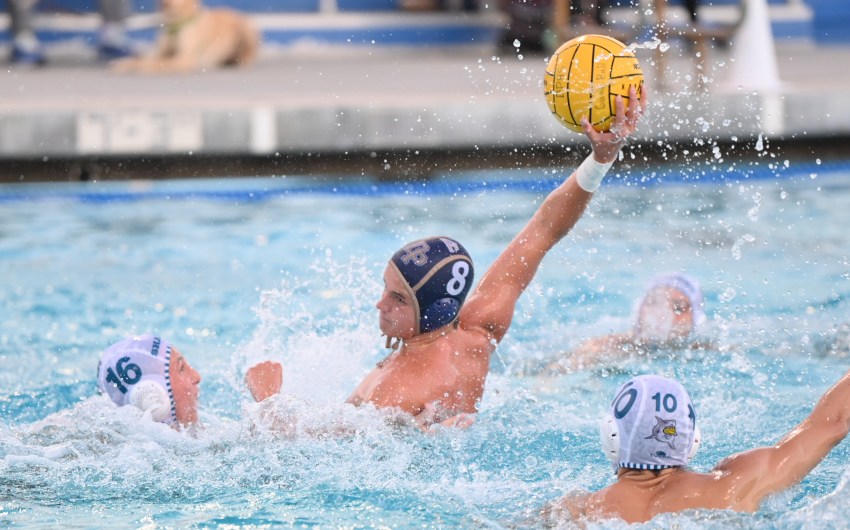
(736, 248)
(516, 43)
(753, 213)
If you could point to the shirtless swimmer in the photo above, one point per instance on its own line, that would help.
(650, 435)
(442, 342)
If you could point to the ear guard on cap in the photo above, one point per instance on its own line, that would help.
(439, 314)
(151, 397)
(697, 442)
(609, 435)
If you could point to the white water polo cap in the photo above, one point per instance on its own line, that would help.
(438, 274)
(685, 284)
(135, 371)
(651, 424)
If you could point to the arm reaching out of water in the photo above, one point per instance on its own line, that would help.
(264, 379)
(592, 352)
(753, 475)
(652, 473)
(492, 304)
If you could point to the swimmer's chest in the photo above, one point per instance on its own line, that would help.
(402, 378)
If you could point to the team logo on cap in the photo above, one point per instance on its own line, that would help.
(664, 432)
(417, 253)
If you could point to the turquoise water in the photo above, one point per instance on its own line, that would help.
(238, 270)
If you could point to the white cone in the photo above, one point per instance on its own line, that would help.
(754, 67)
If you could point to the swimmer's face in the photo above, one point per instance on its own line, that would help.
(665, 316)
(396, 309)
(184, 385)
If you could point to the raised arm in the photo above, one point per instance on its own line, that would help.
(492, 304)
(758, 473)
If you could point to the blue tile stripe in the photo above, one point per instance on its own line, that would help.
(251, 190)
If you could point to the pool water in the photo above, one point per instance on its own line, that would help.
(238, 270)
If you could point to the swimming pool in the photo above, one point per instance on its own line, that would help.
(237, 270)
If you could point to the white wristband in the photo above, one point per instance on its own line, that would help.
(589, 174)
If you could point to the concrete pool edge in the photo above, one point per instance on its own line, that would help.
(345, 104)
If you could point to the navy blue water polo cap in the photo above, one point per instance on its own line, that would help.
(438, 273)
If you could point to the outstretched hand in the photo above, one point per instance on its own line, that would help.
(460, 421)
(433, 416)
(606, 145)
(264, 379)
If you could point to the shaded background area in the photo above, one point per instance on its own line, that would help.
(404, 89)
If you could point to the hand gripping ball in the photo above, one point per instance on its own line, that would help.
(585, 76)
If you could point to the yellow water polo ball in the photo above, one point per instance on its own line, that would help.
(584, 77)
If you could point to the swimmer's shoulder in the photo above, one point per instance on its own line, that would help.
(571, 508)
(470, 332)
(460, 351)
(692, 490)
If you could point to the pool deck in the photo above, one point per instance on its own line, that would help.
(342, 101)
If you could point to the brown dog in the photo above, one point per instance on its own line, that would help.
(194, 38)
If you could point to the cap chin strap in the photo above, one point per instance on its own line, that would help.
(609, 435)
(150, 397)
(393, 342)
